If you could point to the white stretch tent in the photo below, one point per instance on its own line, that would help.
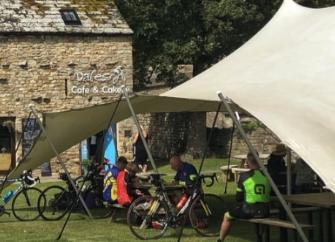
(283, 76)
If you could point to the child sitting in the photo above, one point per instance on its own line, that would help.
(110, 187)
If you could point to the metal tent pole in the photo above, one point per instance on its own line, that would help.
(289, 173)
(262, 167)
(204, 155)
(229, 159)
(60, 161)
(125, 94)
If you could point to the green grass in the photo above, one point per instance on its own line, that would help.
(80, 228)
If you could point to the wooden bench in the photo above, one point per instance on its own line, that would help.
(263, 227)
(115, 207)
(297, 210)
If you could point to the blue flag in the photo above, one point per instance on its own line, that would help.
(109, 147)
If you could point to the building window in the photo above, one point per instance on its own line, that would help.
(70, 17)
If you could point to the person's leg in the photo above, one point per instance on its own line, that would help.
(225, 227)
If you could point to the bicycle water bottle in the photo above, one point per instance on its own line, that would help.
(8, 196)
(182, 201)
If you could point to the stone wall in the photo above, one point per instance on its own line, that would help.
(261, 137)
(169, 133)
(45, 69)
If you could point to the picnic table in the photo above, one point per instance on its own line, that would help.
(325, 201)
(237, 172)
(244, 156)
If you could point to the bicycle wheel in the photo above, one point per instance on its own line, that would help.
(94, 202)
(24, 204)
(54, 202)
(93, 199)
(148, 218)
(206, 213)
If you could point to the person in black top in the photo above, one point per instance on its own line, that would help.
(140, 153)
(252, 195)
(277, 168)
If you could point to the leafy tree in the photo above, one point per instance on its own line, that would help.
(198, 32)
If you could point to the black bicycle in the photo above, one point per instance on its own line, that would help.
(150, 216)
(55, 201)
(25, 197)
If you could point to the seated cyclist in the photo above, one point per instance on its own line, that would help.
(186, 172)
(252, 194)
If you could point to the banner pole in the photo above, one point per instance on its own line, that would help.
(262, 167)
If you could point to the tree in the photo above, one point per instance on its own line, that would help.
(198, 32)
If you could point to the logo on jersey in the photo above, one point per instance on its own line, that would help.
(259, 189)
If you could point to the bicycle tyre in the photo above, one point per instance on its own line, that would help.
(53, 203)
(25, 204)
(207, 223)
(138, 217)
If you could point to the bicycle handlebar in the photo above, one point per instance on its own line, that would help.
(28, 179)
(212, 178)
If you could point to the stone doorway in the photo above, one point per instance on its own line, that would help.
(7, 144)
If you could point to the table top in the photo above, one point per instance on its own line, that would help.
(324, 199)
(244, 156)
(238, 169)
(145, 175)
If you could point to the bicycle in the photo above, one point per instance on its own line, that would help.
(149, 216)
(56, 201)
(24, 205)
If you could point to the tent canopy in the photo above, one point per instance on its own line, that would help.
(283, 76)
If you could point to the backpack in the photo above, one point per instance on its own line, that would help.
(122, 195)
(109, 193)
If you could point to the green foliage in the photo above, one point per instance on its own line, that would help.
(251, 125)
(198, 32)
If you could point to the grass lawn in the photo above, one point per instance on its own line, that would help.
(80, 228)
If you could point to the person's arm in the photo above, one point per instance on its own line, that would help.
(193, 174)
(240, 190)
(134, 139)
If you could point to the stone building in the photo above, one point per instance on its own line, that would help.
(57, 55)
(169, 133)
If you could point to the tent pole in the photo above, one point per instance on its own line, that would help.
(262, 167)
(201, 166)
(60, 161)
(229, 158)
(125, 94)
(289, 173)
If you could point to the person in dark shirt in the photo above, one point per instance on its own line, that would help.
(140, 153)
(252, 195)
(186, 172)
(277, 168)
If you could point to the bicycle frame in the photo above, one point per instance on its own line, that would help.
(160, 194)
(16, 191)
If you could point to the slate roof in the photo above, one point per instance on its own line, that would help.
(96, 16)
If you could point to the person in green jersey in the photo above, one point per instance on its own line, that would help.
(252, 195)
